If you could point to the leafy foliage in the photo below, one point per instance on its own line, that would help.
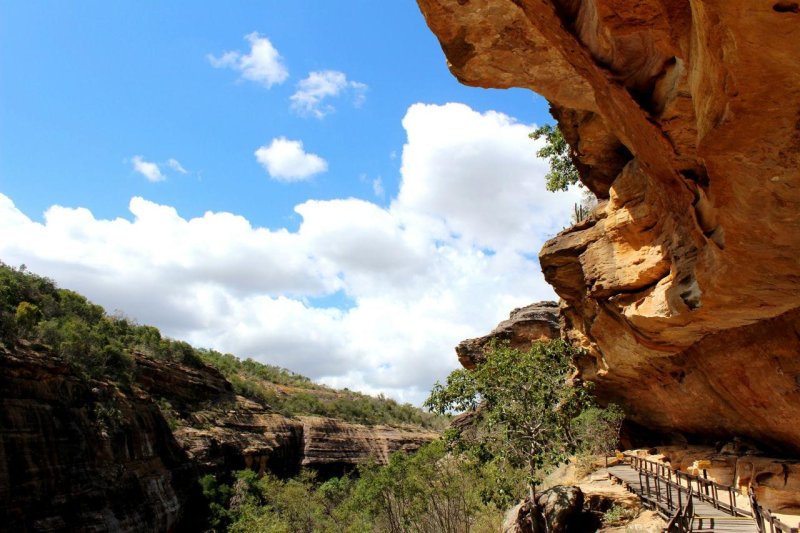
(597, 430)
(563, 172)
(528, 407)
(618, 515)
(431, 491)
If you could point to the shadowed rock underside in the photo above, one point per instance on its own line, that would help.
(684, 283)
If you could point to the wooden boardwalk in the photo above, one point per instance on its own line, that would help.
(665, 497)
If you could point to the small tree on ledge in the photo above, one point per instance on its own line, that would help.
(563, 172)
(527, 404)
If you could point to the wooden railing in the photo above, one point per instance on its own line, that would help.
(671, 494)
(718, 495)
(764, 517)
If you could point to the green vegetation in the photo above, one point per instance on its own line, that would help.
(562, 172)
(598, 430)
(529, 409)
(102, 347)
(617, 516)
(432, 491)
(299, 395)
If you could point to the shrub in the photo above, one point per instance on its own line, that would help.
(563, 172)
(618, 515)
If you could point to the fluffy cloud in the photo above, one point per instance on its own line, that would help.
(147, 169)
(286, 160)
(450, 256)
(263, 64)
(311, 92)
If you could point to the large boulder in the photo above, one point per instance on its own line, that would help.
(559, 510)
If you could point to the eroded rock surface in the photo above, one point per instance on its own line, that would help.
(684, 284)
(222, 431)
(538, 321)
(76, 456)
(84, 455)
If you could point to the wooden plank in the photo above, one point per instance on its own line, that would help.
(724, 522)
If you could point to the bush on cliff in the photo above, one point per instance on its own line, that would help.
(558, 152)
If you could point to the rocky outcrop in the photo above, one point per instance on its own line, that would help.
(222, 431)
(76, 455)
(684, 284)
(245, 435)
(333, 447)
(538, 321)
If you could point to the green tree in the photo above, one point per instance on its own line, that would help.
(526, 402)
(26, 317)
(562, 172)
(598, 430)
(431, 491)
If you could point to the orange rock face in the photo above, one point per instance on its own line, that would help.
(684, 284)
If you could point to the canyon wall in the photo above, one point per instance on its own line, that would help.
(80, 454)
(222, 431)
(684, 117)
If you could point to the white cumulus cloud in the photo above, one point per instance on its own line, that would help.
(147, 169)
(263, 64)
(309, 99)
(285, 160)
(451, 255)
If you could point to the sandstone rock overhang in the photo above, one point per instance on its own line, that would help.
(684, 284)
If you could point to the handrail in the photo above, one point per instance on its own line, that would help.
(707, 490)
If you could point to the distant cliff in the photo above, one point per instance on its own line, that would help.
(684, 117)
(222, 431)
(78, 454)
(109, 426)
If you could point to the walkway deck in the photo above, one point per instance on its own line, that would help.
(708, 518)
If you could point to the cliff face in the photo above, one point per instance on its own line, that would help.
(75, 456)
(222, 431)
(88, 455)
(684, 284)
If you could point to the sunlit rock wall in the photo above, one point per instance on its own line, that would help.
(684, 284)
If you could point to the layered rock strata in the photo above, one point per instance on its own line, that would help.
(538, 321)
(684, 117)
(79, 456)
(222, 431)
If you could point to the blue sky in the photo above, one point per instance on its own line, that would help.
(370, 210)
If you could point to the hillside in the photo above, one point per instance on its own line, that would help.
(102, 346)
(105, 423)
